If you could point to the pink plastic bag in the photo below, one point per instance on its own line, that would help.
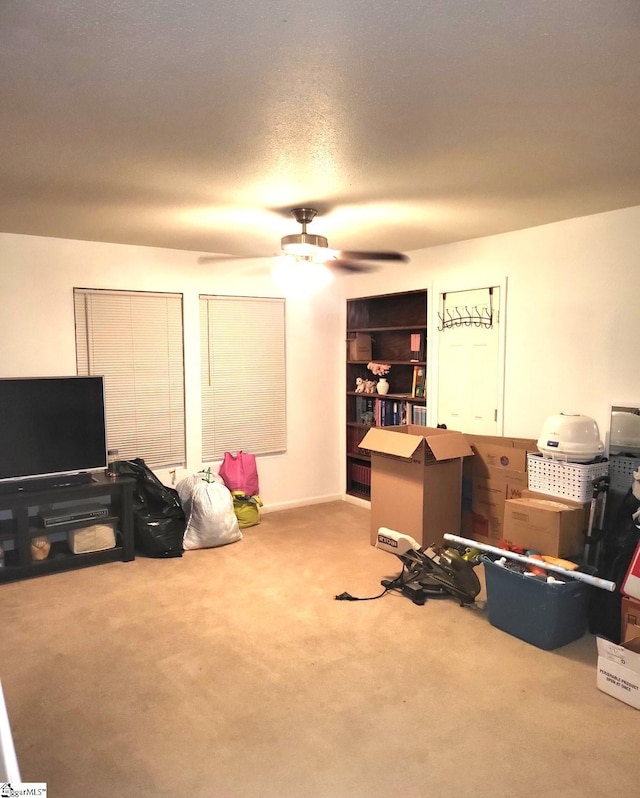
(240, 473)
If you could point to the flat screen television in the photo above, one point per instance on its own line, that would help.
(51, 428)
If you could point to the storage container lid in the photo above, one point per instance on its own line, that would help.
(571, 437)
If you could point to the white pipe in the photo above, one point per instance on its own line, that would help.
(596, 581)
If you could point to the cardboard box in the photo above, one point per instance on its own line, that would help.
(630, 620)
(550, 527)
(416, 480)
(619, 670)
(359, 348)
(496, 472)
(585, 507)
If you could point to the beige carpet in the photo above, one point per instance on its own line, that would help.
(233, 672)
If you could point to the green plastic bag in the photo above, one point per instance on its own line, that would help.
(246, 508)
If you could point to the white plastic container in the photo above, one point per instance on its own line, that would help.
(562, 479)
(571, 438)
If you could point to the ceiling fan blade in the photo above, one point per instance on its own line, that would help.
(310, 247)
(213, 258)
(222, 258)
(342, 264)
(350, 255)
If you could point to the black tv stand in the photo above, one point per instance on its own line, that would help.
(23, 507)
(47, 483)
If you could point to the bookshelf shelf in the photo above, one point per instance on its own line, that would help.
(417, 327)
(398, 396)
(389, 362)
(391, 321)
(358, 456)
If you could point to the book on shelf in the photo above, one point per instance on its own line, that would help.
(378, 412)
(418, 384)
(360, 478)
(365, 410)
(419, 415)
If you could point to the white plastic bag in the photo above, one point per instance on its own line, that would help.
(208, 506)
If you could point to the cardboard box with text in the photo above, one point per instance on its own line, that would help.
(496, 472)
(619, 670)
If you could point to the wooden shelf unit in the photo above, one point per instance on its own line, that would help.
(389, 319)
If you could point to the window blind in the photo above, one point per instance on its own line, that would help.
(243, 375)
(134, 339)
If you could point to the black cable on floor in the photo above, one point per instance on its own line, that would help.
(391, 586)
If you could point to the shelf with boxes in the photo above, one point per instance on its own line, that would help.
(45, 530)
(389, 330)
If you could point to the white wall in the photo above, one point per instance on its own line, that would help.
(572, 311)
(572, 322)
(37, 338)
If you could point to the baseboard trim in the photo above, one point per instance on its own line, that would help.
(271, 508)
(364, 503)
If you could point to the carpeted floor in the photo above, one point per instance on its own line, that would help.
(233, 673)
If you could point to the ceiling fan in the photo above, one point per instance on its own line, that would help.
(311, 248)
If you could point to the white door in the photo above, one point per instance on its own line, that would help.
(468, 361)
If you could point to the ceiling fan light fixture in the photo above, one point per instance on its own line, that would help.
(308, 249)
(305, 245)
(301, 276)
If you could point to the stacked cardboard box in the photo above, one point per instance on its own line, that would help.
(496, 472)
(426, 481)
(544, 525)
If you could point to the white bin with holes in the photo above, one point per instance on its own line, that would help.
(621, 470)
(572, 481)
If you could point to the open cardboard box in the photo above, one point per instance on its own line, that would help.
(619, 670)
(416, 480)
(496, 472)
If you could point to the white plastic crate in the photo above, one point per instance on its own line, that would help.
(572, 481)
(621, 472)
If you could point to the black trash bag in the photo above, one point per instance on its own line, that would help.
(618, 547)
(158, 518)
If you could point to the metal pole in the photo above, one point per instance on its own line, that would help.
(596, 581)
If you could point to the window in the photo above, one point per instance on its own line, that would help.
(243, 375)
(134, 339)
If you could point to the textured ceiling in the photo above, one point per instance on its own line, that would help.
(408, 123)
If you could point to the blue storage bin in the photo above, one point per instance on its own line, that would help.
(546, 615)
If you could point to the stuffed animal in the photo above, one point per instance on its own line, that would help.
(369, 386)
(359, 385)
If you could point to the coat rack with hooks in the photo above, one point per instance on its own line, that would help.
(478, 315)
